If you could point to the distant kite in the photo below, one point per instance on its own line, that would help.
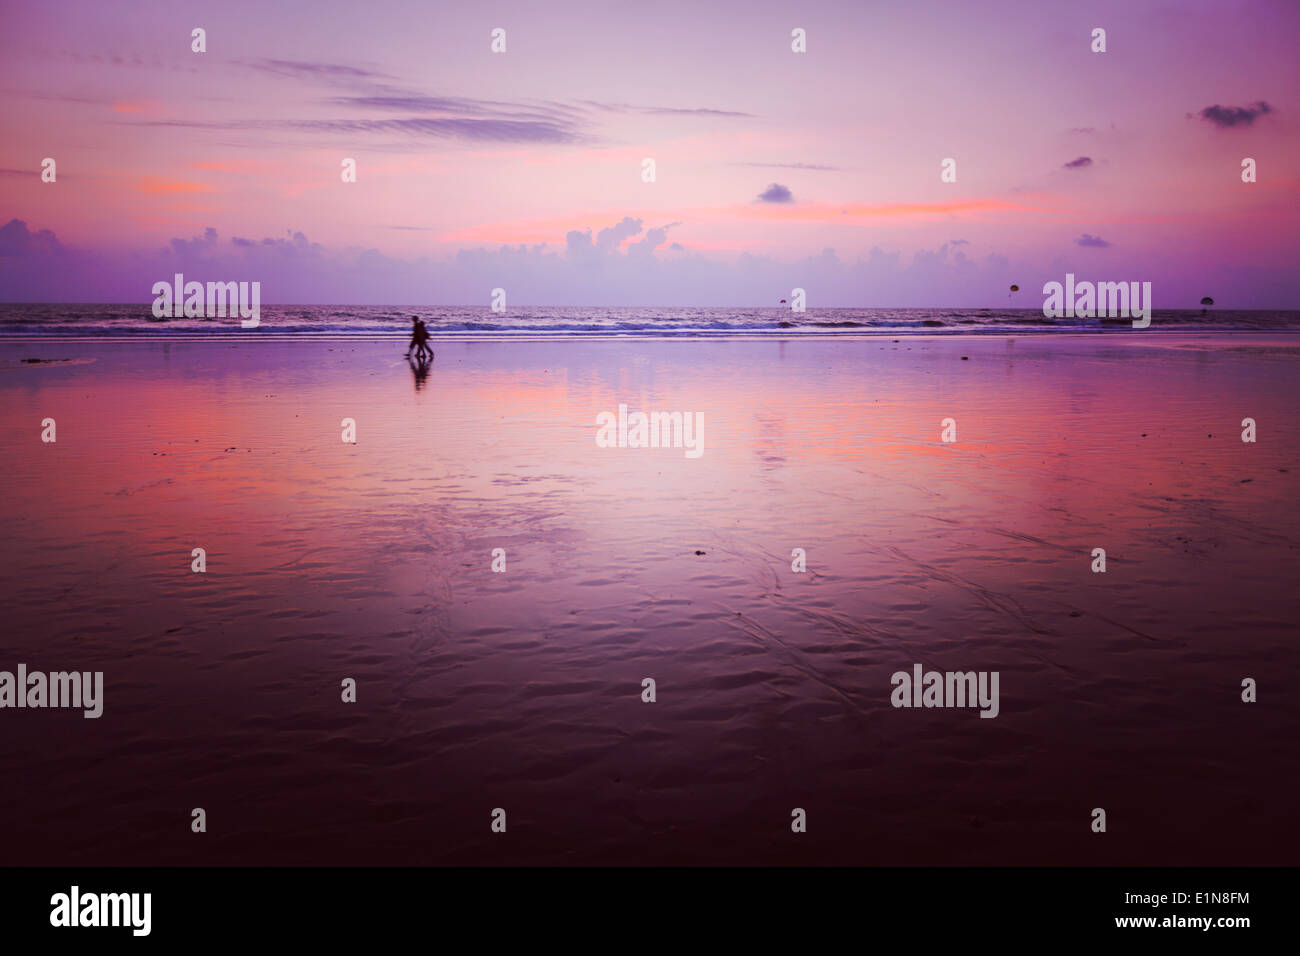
(1207, 301)
(1015, 288)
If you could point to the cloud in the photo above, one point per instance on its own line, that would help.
(416, 103)
(135, 62)
(653, 239)
(1095, 242)
(474, 130)
(808, 166)
(63, 98)
(604, 268)
(811, 211)
(775, 193)
(196, 245)
(1079, 163)
(443, 117)
(675, 111)
(440, 116)
(17, 240)
(155, 186)
(556, 113)
(206, 250)
(580, 247)
(295, 246)
(610, 238)
(663, 110)
(307, 69)
(35, 267)
(1227, 116)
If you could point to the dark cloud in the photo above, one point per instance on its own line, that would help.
(17, 240)
(415, 103)
(473, 130)
(776, 193)
(809, 166)
(662, 110)
(306, 69)
(674, 111)
(445, 117)
(1095, 242)
(1079, 163)
(457, 127)
(1228, 116)
(442, 117)
(556, 113)
(387, 98)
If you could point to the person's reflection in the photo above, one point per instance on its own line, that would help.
(420, 369)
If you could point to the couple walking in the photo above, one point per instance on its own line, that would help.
(419, 341)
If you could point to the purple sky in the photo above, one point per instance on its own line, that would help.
(774, 169)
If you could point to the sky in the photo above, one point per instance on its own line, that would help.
(523, 170)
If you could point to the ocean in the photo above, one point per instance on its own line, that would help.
(367, 321)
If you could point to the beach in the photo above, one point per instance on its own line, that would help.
(522, 688)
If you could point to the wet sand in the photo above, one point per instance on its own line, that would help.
(522, 690)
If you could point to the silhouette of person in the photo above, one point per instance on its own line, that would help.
(419, 340)
(415, 335)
